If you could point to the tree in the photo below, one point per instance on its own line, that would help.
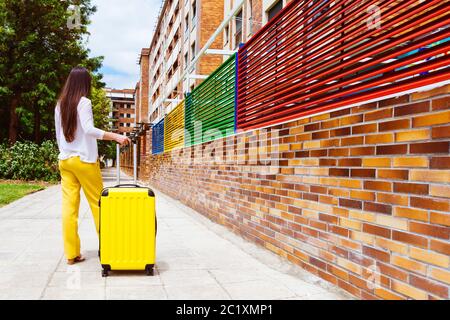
(101, 108)
(37, 51)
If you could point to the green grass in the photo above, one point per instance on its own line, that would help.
(10, 192)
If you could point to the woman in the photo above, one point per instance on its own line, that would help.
(78, 158)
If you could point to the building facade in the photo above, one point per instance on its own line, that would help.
(183, 28)
(123, 113)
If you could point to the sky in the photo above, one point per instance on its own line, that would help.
(119, 30)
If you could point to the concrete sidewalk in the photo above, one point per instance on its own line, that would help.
(196, 259)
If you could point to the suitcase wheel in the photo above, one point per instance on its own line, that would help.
(104, 273)
(149, 270)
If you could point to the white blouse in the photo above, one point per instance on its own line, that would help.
(85, 143)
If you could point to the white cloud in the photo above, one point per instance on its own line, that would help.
(119, 30)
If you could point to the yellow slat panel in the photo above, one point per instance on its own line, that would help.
(174, 129)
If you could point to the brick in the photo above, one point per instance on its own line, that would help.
(429, 203)
(339, 132)
(430, 175)
(379, 138)
(440, 218)
(350, 203)
(352, 141)
(320, 135)
(376, 254)
(338, 172)
(362, 195)
(394, 101)
(387, 295)
(376, 162)
(440, 246)
(378, 114)
(365, 128)
(410, 238)
(410, 265)
(378, 207)
(413, 108)
(394, 125)
(429, 147)
(393, 174)
(430, 230)
(350, 162)
(392, 199)
(392, 149)
(345, 121)
(411, 213)
(348, 265)
(392, 222)
(431, 120)
(362, 237)
(362, 151)
(440, 163)
(409, 291)
(362, 215)
(377, 230)
(351, 224)
(410, 162)
(378, 185)
(440, 275)
(436, 259)
(411, 188)
(440, 132)
(391, 245)
(412, 135)
(441, 103)
(363, 173)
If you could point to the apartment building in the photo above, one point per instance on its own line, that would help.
(183, 28)
(122, 109)
(248, 20)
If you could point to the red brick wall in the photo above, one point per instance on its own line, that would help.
(210, 16)
(358, 190)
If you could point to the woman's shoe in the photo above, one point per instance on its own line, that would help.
(78, 259)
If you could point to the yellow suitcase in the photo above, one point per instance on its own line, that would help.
(127, 228)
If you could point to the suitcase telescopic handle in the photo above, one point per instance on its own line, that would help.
(127, 185)
(134, 142)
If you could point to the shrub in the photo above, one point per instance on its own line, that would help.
(29, 161)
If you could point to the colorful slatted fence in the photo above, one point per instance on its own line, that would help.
(318, 55)
(158, 137)
(174, 128)
(312, 57)
(209, 110)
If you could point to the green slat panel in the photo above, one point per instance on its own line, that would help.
(213, 104)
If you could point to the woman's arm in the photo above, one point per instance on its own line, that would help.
(120, 139)
(87, 123)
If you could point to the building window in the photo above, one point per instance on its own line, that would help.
(122, 115)
(274, 10)
(193, 51)
(186, 60)
(238, 34)
(227, 34)
(194, 10)
(186, 22)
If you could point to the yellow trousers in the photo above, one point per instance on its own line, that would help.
(76, 174)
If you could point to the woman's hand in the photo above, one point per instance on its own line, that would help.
(122, 140)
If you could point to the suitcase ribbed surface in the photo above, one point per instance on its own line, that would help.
(127, 229)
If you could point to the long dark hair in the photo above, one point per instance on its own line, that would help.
(78, 85)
